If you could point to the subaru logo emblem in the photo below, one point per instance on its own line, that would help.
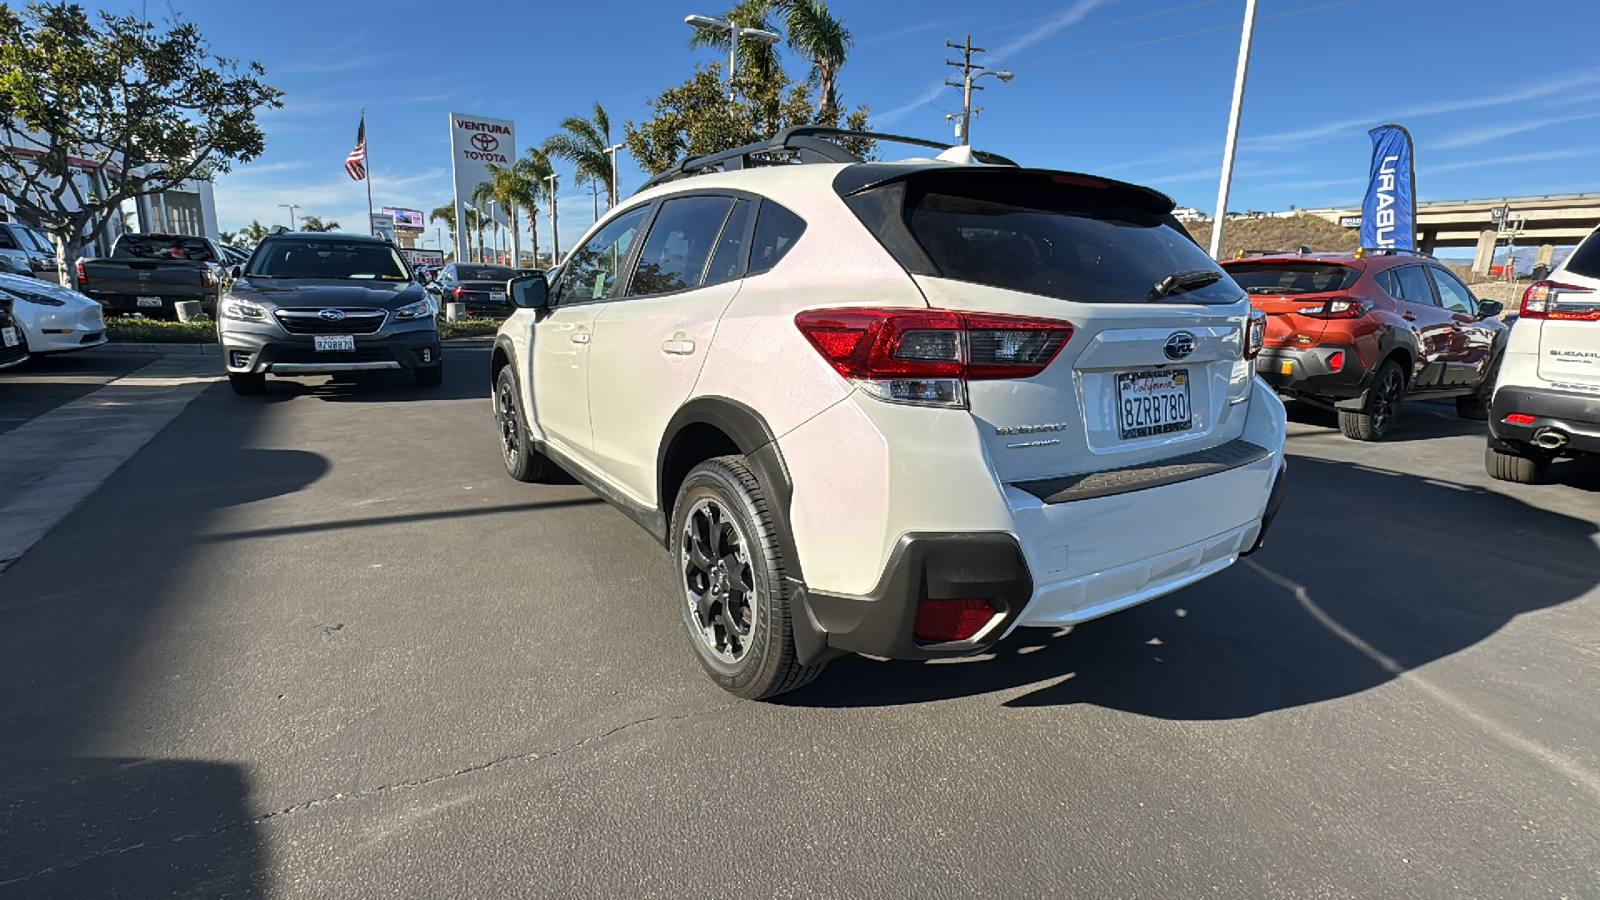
(334, 315)
(1179, 345)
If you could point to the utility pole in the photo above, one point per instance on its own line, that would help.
(555, 236)
(1232, 141)
(964, 118)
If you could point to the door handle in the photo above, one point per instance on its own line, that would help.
(678, 345)
(580, 337)
(1409, 317)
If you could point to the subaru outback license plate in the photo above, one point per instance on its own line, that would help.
(1153, 402)
(334, 341)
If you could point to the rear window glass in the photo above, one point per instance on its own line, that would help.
(1585, 260)
(1292, 278)
(485, 273)
(776, 231)
(1056, 236)
(149, 246)
(319, 258)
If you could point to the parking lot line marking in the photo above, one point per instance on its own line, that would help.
(51, 463)
(1566, 766)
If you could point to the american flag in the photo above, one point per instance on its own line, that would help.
(356, 162)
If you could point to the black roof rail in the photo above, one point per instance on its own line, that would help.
(809, 143)
(1390, 251)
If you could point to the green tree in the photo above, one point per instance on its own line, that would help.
(696, 118)
(482, 194)
(584, 144)
(822, 39)
(315, 223)
(246, 237)
(519, 186)
(446, 213)
(149, 108)
(758, 62)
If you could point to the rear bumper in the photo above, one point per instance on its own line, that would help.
(129, 303)
(1294, 371)
(1577, 416)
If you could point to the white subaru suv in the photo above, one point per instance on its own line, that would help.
(895, 408)
(1547, 397)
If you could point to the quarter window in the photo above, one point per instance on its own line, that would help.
(681, 239)
(776, 231)
(1452, 293)
(590, 271)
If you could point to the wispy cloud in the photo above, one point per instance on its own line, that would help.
(907, 32)
(1486, 133)
(1542, 156)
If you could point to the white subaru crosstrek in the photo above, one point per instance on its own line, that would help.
(1547, 396)
(895, 408)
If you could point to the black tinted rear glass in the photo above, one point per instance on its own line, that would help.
(151, 246)
(1585, 260)
(484, 273)
(1292, 277)
(1063, 236)
(327, 258)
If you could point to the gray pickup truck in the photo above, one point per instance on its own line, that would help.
(151, 273)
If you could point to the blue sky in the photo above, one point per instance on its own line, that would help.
(1498, 104)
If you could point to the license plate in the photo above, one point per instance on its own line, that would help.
(334, 341)
(1153, 402)
(9, 335)
(149, 301)
(497, 296)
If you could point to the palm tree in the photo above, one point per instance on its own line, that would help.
(315, 223)
(820, 37)
(584, 144)
(446, 213)
(519, 187)
(482, 194)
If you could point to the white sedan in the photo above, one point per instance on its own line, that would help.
(54, 319)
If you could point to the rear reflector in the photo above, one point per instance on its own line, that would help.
(1520, 419)
(1336, 361)
(940, 621)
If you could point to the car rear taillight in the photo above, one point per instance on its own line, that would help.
(942, 621)
(457, 291)
(208, 278)
(1255, 333)
(1337, 308)
(926, 356)
(82, 276)
(1542, 300)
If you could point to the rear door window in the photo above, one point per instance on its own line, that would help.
(679, 245)
(1414, 285)
(6, 243)
(1292, 278)
(728, 262)
(1047, 233)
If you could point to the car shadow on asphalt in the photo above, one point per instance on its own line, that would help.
(466, 377)
(1419, 420)
(77, 615)
(1338, 602)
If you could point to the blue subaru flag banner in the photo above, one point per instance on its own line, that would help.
(1388, 215)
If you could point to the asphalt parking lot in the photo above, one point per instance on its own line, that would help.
(317, 644)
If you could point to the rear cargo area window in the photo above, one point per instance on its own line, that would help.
(1585, 260)
(1292, 277)
(1069, 237)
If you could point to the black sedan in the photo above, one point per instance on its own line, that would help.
(482, 287)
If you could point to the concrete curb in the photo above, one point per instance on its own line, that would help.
(181, 349)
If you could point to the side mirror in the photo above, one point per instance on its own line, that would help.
(235, 272)
(1490, 308)
(529, 292)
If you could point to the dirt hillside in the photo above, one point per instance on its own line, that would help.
(1288, 234)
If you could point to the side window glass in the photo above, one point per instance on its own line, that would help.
(1386, 284)
(6, 243)
(681, 239)
(1414, 285)
(1452, 293)
(729, 258)
(590, 271)
(776, 231)
(40, 241)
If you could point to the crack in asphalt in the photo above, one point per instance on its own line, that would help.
(342, 797)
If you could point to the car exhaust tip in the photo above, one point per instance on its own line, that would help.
(1550, 439)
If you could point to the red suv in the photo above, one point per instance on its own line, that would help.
(1360, 332)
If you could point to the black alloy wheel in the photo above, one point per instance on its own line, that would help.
(1381, 409)
(522, 462)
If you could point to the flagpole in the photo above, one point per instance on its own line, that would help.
(370, 228)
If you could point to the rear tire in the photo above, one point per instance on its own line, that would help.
(1381, 407)
(247, 384)
(430, 376)
(729, 580)
(1504, 466)
(522, 462)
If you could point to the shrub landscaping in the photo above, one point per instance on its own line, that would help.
(155, 331)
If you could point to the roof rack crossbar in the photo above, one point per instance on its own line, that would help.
(808, 143)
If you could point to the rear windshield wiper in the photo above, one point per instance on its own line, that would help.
(1181, 282)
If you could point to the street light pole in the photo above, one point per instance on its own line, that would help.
(1232, 141)
(555, 235)
(616, 189)
(292, 207)
(734, 33)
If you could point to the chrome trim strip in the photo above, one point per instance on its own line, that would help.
(318, 368)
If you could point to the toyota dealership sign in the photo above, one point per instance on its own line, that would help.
(475, 143)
